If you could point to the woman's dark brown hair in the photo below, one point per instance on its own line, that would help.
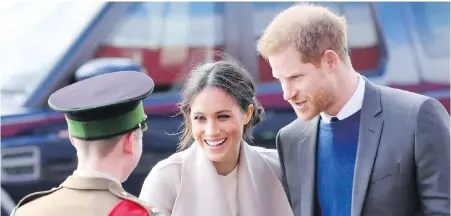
(228, 75)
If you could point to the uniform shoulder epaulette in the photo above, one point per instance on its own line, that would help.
(36, 195)
(121, 193)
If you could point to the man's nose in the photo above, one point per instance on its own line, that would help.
(288, 92)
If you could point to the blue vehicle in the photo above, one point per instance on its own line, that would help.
(403, 45)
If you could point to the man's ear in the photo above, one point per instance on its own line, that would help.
(330, 59)
(128, 142)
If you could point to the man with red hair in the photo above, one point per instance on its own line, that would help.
(357, 148)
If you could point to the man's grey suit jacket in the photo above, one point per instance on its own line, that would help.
(402, 164)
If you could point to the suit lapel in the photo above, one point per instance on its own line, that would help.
(371, 123)
(307, 159)
(200, 191)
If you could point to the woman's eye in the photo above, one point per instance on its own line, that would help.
(223, 116)
(199, 118)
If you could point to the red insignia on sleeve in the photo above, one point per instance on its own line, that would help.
(128, 208)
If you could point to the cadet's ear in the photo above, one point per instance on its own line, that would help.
(128, 142)
(71, 138)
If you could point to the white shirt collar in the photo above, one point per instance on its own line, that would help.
(353, 105)
(95, 174)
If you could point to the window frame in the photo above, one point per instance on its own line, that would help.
(425, 63)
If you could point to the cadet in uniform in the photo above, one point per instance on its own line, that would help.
(106, 120)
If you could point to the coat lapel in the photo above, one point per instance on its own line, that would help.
(259, 190)
(371, 124)
(307, 159)
(200, 192)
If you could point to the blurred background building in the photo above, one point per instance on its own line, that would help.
(44, 46)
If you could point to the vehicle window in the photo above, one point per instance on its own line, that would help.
(432, 24)
(33, 41)
(365, 46)
(264, 12)
(167, 38)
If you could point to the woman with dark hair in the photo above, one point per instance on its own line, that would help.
(217, 173)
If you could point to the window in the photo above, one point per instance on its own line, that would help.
(432, 24)
(168, 38)
(263, 14)
(366, 49)
(34, 37)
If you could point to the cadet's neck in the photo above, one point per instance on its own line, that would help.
(112, 168)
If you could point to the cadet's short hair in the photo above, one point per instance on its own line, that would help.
(312, 29)
(102, 147)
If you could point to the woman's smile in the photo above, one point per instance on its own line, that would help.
(215, 144)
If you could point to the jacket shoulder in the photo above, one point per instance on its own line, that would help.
(401, 98)
(130, 204)
(293, 127)
(289, 134)
(34, 196)
(175, 160)
(129, 208)
(400, 106)
(170, 167)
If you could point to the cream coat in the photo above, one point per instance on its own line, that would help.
(187, 183)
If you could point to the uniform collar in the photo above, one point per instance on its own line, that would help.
(353, 105)
(95, 174)
(88, 183)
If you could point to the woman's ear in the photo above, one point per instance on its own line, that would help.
(249, 113)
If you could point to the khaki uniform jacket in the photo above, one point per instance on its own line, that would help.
(87, 196)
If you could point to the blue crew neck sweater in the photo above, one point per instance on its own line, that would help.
(337, 147)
